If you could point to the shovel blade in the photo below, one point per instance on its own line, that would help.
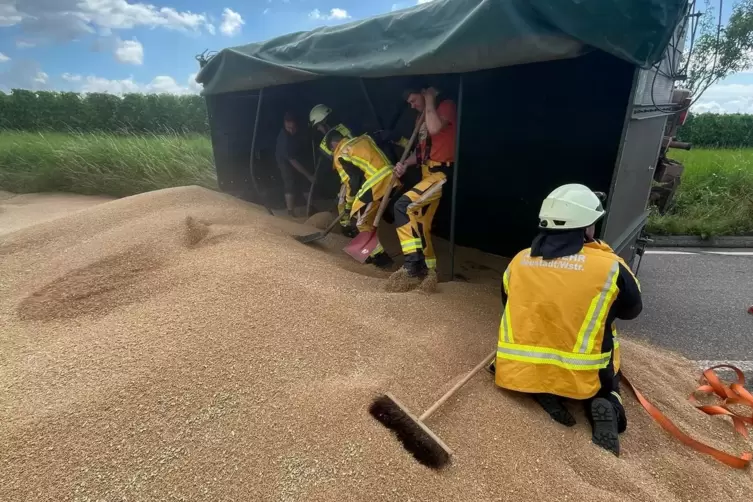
(306, 239)
(362, 246)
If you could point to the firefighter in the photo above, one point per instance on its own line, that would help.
(318, 119)
(435, 155)
(369, 173)
(561, 296)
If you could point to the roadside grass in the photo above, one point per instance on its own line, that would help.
(715, 196)
(104, 164)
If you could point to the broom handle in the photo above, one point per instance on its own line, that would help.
(457, 386)
(408, 147)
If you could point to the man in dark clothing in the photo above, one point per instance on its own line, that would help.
(287, 153)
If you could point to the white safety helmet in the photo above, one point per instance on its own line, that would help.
(318, 114)
(571, 206)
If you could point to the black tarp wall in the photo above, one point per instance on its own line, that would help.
(524, 130)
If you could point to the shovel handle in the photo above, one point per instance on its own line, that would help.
(457, 386)
(408, 147)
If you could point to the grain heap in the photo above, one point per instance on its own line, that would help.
(147, 356)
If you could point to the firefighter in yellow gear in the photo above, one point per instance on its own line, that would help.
(368, 173)
(557, 336)
(318, 119)
(435, 154)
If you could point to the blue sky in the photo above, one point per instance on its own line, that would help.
(149, 46)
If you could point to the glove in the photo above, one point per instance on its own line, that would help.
(350, 231)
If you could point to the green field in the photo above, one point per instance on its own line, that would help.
(103, 163)
(715, 197)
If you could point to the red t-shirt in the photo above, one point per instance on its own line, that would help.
(442, 143)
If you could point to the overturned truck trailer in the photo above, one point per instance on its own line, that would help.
(548, 92)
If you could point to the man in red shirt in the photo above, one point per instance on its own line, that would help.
(435, 154)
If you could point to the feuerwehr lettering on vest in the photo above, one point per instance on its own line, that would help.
(573, 262)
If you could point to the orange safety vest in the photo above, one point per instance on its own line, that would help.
(551, 333)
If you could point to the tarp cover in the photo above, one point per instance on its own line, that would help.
(451, 36)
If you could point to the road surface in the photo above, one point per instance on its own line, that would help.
(696, 302)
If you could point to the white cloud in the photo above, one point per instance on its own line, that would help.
(23, 74)
(65, 20)
(231, 22)
(4, 58)
(420, 2)
(41, 77)
(726, 98)
(334, 14)
(24, 44)
(162, 84)
(71, 77)
(9, 15)
(130, 52)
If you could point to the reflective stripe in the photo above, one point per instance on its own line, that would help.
(411, 245)
(431, 262)
(505, 325)
(617, 395)
(377, 250)
(371, 182)
(597, 312)
(506, 280)
(361, 164)
(539, 355)
(339, 128)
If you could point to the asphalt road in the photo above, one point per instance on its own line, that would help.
(696, 302)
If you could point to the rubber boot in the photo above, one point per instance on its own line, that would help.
(553, 405)
(605, 426)
(381, 260)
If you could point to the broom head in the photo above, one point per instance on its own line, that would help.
(418, 439)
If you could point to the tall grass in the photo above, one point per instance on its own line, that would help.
(101, 163)
(715, 196)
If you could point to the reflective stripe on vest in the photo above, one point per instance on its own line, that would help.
(371, 182)
(545, 355)
(597, 312)
(339, 128)
(364, 153)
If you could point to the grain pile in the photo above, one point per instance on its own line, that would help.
(140, 362)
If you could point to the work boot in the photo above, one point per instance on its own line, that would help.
(381, 260)
(605, 427)
(416, 269)
(553, 405)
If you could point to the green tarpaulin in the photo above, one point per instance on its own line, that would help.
(451, 36)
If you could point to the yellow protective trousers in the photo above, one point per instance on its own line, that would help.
(368, 199)
(414, 214)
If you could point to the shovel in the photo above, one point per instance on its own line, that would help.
(361, 247)
(306, 239)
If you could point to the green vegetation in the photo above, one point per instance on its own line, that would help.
(718, 131)
(100, 163)
(715, 196)
(132, 114)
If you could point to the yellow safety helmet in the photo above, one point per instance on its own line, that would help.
(318, 114)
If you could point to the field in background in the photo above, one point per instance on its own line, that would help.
(100, 163)
(715, 196)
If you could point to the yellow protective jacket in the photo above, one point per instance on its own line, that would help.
(358, 161)
(342, 129)
(557, 332)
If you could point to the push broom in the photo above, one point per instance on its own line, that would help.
(411, 431)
